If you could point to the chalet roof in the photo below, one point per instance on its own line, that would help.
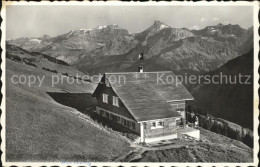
(146, 94)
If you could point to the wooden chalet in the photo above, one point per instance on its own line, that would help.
(155, 110)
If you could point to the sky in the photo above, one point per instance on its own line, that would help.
(36, 21)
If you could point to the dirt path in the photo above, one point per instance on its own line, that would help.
(136, 154)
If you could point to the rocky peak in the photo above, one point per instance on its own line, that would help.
(111, 26)
(159, 25)
(114, 26)
(157, 22)
(219, 25)
(45, 36)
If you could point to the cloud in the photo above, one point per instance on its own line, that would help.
(215, 19)
(203, 19)
(195, 27)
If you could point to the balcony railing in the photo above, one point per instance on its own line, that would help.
(164, 131)
(188, 124)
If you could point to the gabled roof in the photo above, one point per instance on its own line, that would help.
(146, 94)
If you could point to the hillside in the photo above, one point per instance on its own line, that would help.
(233, 102)
(40, 129)
(111, 48)
(40, 61)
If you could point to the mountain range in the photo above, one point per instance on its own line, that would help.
(111, 48)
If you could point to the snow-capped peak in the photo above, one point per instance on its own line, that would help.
(82, 29)
(35, 40)
(101, 27)
(162, 26)
(111, 26)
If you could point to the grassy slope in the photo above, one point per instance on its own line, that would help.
(40, 61)
(40, 129)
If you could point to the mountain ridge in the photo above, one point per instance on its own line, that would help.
(233, 102)
(176, 49)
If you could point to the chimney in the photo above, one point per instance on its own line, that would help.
(141, 68)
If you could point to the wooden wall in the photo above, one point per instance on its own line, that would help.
(105, 89)
(169, 127)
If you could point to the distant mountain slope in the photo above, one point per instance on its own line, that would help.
(40, 60)
(233, 102)
(166, 48)
(239, 38)
(201, 51)
(74, 45)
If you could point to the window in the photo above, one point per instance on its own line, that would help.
(128, 123)
(157, 124)
(160, 123)
(133, 125)
(174, 106)
(105, 98)
(115, 118)
(124, 122)
(181, 105)
(107, 114)
(145, 125)
(115, 101)
(102, 112)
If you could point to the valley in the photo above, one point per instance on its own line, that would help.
(226, 100)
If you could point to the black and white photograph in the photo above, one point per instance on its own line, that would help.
(120, 83)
